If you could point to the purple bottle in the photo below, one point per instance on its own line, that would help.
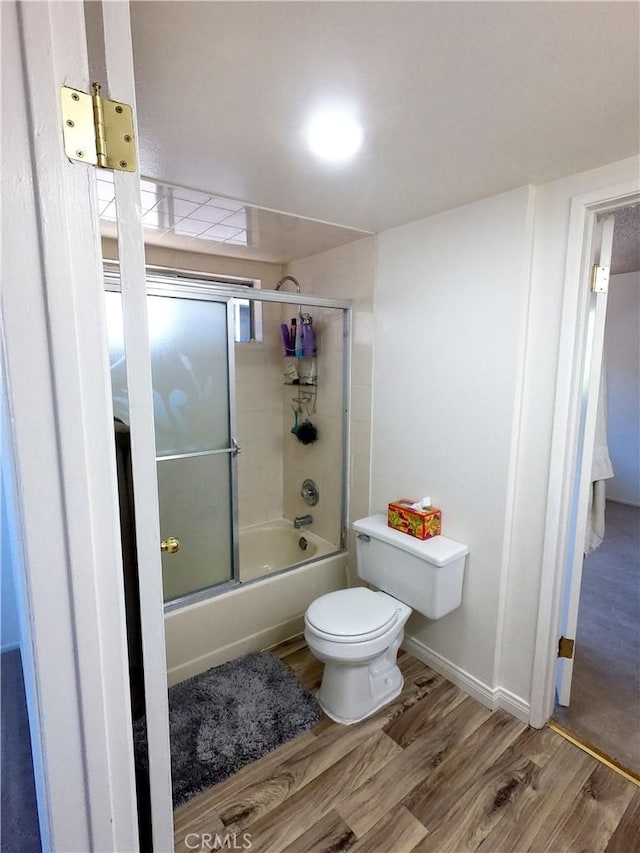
(308, 337)
(286, 340)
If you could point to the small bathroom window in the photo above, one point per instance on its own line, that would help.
(247, 320)
(243, 321)
(247, 313)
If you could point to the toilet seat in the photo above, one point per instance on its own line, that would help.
(352, 615)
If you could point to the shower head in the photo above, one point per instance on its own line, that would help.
(288, 278)
(295, 281)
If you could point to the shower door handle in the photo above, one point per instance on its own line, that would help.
(170, 545)
(235, 447)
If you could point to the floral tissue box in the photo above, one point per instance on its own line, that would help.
(423, 524)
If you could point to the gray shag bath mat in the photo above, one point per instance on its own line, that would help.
(227, 717)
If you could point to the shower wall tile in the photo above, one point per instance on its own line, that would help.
(361, 364)
(361, 403)
(363, 328)
(361, 438)
(345, 272)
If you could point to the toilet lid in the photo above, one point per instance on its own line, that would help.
(352, 613)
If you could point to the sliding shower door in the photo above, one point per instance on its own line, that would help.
(191, 360)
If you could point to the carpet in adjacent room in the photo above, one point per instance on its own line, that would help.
(19, 827)
(604, 711)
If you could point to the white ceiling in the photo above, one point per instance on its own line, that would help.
(458, 100)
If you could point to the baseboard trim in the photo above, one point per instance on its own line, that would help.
(513, 704)
(460, 677)
(254, 643)
(493, 698)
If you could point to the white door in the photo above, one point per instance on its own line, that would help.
(601, 245)
(55, 343)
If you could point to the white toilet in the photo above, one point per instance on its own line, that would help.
(357, 632)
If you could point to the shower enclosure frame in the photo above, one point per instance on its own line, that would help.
(184, 284)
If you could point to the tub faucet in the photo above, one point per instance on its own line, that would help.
(302, 520)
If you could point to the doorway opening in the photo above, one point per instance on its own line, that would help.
(598, 695)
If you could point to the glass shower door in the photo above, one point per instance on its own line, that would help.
(191, 359)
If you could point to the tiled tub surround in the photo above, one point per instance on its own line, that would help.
(346, 272)
(263, 404)
(322, 460)
(273, 463)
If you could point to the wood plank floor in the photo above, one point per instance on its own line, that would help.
(432, 772)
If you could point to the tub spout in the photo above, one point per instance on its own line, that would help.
(302, 521)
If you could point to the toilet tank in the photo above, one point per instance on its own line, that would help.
(427, 575)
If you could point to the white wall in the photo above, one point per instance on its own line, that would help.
(449, 325)
(622, 346)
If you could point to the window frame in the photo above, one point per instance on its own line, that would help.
(155, 273)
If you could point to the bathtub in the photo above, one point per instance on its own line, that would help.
(277, 545)
(247, 617)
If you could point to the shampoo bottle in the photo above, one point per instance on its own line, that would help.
(298, 344)
(308, 336)
(286, 339)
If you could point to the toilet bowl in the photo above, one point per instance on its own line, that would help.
(356, 633)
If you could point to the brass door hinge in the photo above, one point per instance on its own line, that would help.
(599, 279)
(98, 131)
(565, 647)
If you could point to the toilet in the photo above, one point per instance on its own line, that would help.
(357, 632)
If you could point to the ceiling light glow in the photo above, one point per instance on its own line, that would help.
(334, 136)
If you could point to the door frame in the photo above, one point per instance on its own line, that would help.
(564, 462)
(54, 347)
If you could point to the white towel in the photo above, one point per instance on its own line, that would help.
(601, 470)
